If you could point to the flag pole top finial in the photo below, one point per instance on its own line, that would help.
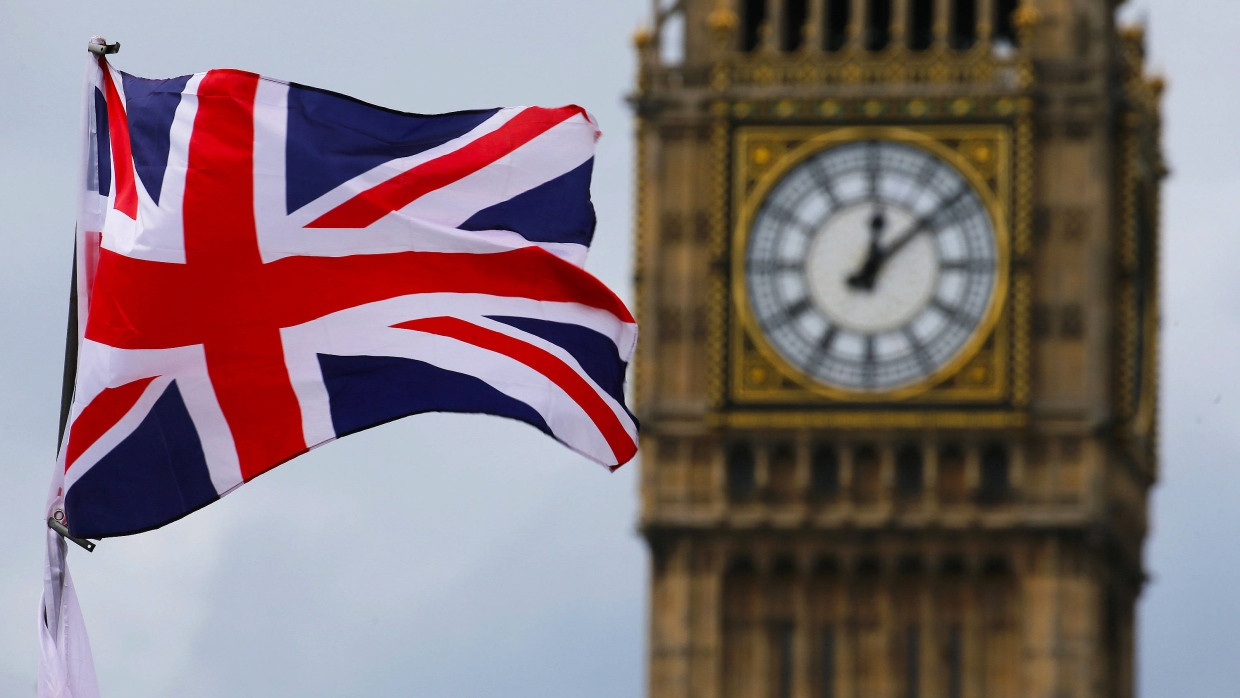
(100, 46)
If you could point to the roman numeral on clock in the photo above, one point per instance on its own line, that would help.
(944, 206)
(824, 182)
(919, 349)
(926, 172)
(785, 219)
(767, 267)
(823, 347)
(871, 168)
(972, 266)
(791, 312)
(869, 366)
(954, 314)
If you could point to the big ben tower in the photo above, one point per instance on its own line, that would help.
(897, 275)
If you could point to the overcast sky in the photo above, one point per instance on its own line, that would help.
(471, 556)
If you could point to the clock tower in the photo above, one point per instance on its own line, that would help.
(897, 281)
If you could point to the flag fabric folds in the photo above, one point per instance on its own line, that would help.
(265, 267)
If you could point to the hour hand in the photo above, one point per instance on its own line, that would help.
(863, 279)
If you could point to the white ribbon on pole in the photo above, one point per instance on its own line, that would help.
(66, 669)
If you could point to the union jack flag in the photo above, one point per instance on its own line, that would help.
(264, 267)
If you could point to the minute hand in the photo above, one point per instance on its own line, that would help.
(920, 224)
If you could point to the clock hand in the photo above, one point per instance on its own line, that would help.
(863, 278)
(919, 225)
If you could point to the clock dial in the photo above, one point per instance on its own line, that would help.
(869, 266)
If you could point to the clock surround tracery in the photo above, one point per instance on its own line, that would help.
(787, 524)
(989, 379)
(765, 176)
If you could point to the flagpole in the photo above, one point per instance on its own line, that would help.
(66, 396)
(100, 47)
(71, 350)
(66, 667)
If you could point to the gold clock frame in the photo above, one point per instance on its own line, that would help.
(986, 384)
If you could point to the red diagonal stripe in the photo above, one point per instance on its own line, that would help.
(102, 414)
(405, 188)
(546, 363)
(140, 304)
(122, 155)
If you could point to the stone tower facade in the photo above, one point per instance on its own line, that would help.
(897, 281)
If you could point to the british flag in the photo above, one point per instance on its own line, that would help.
(264, 267)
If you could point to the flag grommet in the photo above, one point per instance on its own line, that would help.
(63, 530)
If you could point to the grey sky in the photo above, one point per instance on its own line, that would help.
(470, 556)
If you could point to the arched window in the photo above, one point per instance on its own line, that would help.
(907, 589)
(909, 475)
(998, 607)
(740, 471)
(912, 660)
(964, 24)
(837, 16)
(740, 624)
(826, 661)
(826, 611)
(672, 39)
(878, 25)
(792, 29)
(781, 481)
(921, 24)
(1005, 29)
(865, 474)
(870, 641)
(950, 610)
(741, 585)
(753, 16)
(781, 628)
(995, 478)
(955, 661)
(780, 652)
(951, 476)
(824, 471)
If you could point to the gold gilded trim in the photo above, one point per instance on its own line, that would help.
(855, 66)
(1022, 300)
(1128, 321)
(641, 205)
(980, 371)
(716, 321)
(918, 108)
(1022, 203)
(872, 419)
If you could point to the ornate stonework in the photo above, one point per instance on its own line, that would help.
(975, 532)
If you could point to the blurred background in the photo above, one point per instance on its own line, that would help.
(470, 556)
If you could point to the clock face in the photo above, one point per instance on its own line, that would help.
(871, 265)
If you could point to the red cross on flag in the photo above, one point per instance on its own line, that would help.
(265, 267)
